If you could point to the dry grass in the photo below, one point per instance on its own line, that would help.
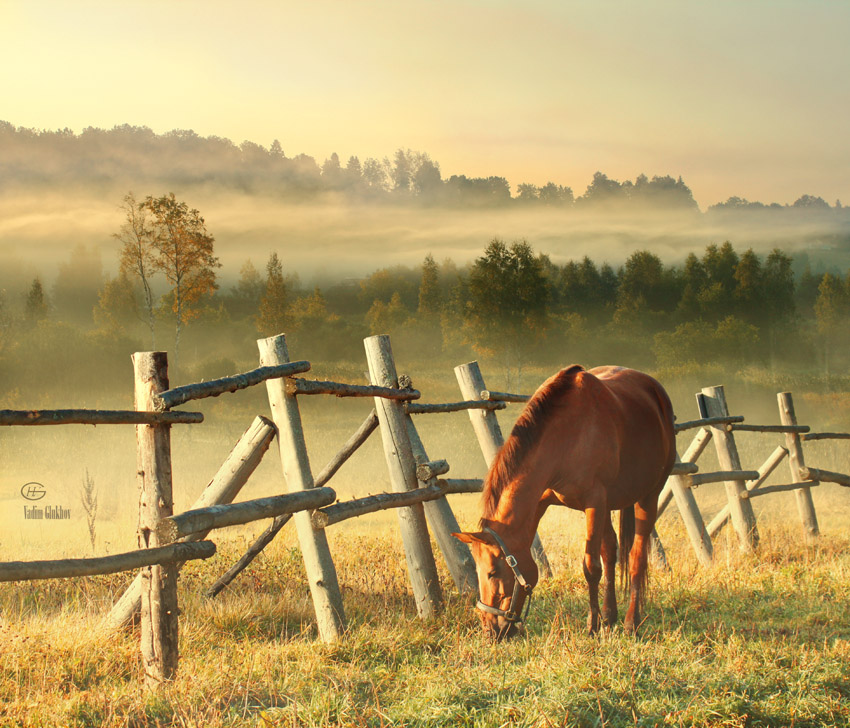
(759, 640)
(754, 641)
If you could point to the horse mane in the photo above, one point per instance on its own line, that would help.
(524, 435)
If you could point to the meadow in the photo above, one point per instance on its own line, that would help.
(755, 640)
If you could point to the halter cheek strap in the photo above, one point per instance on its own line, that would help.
(520, 585)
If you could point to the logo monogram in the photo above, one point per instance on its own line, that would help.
(33, 491)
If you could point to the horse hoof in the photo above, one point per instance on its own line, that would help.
(610, 619)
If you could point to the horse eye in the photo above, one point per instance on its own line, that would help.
(492, 574)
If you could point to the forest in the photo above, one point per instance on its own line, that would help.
(512, 306)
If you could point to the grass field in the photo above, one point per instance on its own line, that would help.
(756, 640)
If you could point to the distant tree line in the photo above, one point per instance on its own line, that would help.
(132, 156)
(511, 304)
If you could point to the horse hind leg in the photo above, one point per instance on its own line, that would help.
(645, 512)
(595, 518)
(609, 563)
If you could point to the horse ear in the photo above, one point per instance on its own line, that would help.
(479, 537)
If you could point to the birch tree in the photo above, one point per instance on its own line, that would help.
(183, 251)
(137, 258)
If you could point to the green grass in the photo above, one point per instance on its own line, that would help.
(761, 640)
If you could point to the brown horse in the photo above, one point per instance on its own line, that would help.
(596, 441)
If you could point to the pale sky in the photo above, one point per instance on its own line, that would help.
(743, 97)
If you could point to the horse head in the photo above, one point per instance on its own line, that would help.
(505, 581)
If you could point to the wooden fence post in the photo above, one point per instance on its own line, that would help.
(796, 462)
(689, 510)
(489, 434)
(223, 488)
(712, 403)
(685, 501)
(402, 467)
(159, 644)
(321, 572)
(443, 524)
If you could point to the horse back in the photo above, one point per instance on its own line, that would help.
(615, 431)
(642, 423)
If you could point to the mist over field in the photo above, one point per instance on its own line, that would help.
(325, 241)
(334, 219)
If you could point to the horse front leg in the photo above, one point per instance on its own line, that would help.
(645, 513)
(595, 523)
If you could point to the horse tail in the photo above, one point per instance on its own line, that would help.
(627, 538)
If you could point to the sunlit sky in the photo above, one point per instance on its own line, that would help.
(740, 98)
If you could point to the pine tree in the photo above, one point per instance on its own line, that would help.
(272, 315)
(831, 308)
(116, 305)
(429, 289)
(35, 305)
(508, 302)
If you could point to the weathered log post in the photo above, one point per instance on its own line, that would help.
(443, 524)
(159, 645)
(489, 434)
(796, 462)
(402, 468)
(691, 455)
(695, 449)
(689, 510)
(223, 488)
(712, 403)
(321, 572)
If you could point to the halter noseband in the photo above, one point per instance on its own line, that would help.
(520, 584)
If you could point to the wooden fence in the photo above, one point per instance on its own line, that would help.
(418, 488)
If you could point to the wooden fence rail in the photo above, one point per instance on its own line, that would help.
(415, 408)
(767, 489)
(826, 436)
(96, 417)
(727, 420)
(812, 474)
(215, 387)
(128, 561)
(340, 389)
(764, 472)
(490, 396)
(431, 469)
(718, 476)
(234, 514)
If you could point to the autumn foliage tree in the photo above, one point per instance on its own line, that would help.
(163, 234)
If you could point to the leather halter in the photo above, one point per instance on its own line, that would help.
(520, 585)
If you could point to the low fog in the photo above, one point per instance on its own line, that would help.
(324, 241)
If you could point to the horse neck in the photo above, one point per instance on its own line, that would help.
(517, 512)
